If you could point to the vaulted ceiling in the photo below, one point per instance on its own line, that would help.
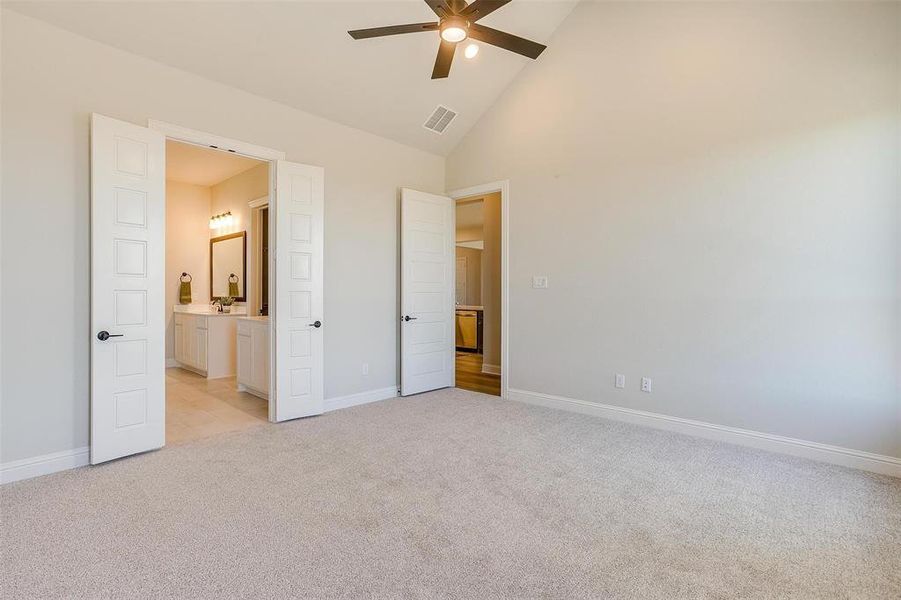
(299, 53)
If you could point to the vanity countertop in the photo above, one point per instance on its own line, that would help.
(258, 319)
(209, 311)
(469, 307)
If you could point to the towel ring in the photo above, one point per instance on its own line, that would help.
(183, 280)
(230, 278)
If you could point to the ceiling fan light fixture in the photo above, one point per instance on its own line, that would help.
(456, 20)
(453, 29)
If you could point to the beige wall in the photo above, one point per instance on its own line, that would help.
(187, 247)
(491, 279)
(713, 191)
(233, 195)
(52, 81)
(473, 274)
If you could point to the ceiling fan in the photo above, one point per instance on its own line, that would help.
(456, 22)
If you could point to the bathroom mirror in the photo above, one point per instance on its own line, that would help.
(228, 266)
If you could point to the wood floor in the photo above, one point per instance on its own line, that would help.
(197, 407)
(470, 376)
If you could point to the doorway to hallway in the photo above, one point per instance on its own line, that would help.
(478, 282)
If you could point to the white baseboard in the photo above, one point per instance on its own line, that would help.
(36, 466)
(877, 463)
(360, 398)
(491, 369)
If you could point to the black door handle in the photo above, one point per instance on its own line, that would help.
(409, 318)
(317, 324)
(105, 335)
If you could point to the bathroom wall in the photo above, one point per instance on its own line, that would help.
(233, 195)
(187, 247)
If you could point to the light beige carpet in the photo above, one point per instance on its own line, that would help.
(459, 495)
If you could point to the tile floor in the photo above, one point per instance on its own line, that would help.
(197, 407)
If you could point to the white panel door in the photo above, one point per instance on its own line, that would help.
(128, 249)
(427, 292)
(298, 308)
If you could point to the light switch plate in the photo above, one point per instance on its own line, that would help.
(620, 381)
(539, 282)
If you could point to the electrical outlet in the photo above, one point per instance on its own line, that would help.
(646, 384)
(620, 381)
(539, 282)
(365, 368)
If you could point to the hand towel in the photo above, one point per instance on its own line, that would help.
(184, 289)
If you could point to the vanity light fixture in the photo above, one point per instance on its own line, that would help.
(224, 220)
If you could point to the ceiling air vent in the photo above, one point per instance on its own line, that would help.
(440, 119)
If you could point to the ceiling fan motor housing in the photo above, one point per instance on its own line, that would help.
(456, 5)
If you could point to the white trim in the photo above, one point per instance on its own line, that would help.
(503, 187)
(877, 463)
(36, 466)
(259, 202)
(210, 140)
(360, 398)
(491, 369)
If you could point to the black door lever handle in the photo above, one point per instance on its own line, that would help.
(317, 324)
(409, 318)
(105, 335)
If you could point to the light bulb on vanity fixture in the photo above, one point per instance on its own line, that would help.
(224, 220)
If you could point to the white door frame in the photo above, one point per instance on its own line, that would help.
(232, 146)
(503, 187)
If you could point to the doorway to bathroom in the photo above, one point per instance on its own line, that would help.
(478, 299)
(213, 273)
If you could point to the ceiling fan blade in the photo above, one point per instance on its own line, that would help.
(443, 60)
(482, 8)
(440, 7)
(507, 41)
(362, 34)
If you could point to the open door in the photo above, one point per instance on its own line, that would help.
(427, 292)
(128, 254)
(297, 348)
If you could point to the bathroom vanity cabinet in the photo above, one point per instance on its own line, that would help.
(205, 341)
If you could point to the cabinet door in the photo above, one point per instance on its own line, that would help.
(200, 348)
(260, 351)
(245, 360)
(187, 340)
(179, 341)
